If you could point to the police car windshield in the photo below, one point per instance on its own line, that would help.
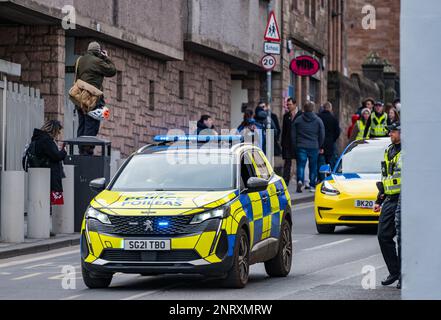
(177, 172)
(363, 159)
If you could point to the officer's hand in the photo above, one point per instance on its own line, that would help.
(377, 208)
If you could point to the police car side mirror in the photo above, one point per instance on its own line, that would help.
(255, 184)
(326, 169)
(98, 185)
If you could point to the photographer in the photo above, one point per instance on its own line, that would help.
(92, 68)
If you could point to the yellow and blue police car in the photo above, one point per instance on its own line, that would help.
(208, 205)
(347, 196)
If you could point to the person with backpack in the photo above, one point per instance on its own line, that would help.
(43, 152)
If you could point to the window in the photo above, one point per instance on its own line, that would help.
(181, 85)
(313, 11)
(322, 3)
(210, 93)
(263, 171)
(152, 95)
(314, 90)
(307, 8)
(246, 171)
(295, 5)
(119, 86)
(115, 12)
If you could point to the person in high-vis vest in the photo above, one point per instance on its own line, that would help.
(360, 126)
(376, 127)
(387, 201)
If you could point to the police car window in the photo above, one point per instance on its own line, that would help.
(172, 172)
(247, 170)
(261, 165)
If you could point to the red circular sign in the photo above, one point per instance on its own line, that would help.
(305, 66)
(268, 62)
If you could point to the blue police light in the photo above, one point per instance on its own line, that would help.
(163, 223)
(198, 138)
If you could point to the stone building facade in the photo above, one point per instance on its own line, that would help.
(384, 39)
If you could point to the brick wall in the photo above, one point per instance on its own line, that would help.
(134, 121)
(41, 52)
(385, 39)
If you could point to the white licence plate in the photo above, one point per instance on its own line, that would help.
(148, 245)
(364, 204)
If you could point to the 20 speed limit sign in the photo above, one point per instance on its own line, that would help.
(268, 62)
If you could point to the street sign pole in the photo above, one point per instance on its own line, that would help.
(269, 141)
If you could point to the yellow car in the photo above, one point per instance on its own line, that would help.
(209, 205)
(347, 196)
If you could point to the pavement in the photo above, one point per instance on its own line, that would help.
(324, 267)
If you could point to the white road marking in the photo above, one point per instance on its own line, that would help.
(45, 257)
(27, 276)
(72, 297)
(38, 265)
(5, 273)
(147, 293)
(327, 245)
(302, 206)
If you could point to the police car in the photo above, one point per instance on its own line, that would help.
(208, 205)
(347, 196)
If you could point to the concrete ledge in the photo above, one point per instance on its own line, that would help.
(37, 246)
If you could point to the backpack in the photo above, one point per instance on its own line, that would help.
(31, 159)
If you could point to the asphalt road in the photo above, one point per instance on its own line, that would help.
(324, 267)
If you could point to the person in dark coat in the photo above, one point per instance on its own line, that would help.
(308, 137)
(332, 133)
(261, 117)
(93, 67)
(46, 148)
(288, 152)
(205, 126)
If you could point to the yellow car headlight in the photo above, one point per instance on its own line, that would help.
(220, 213)
(329, 189)
(92, 213)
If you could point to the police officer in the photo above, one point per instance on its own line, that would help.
(387, 202)
(376, 126)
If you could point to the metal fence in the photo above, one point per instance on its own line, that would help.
(22, 110)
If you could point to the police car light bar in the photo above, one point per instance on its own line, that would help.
(198, 138)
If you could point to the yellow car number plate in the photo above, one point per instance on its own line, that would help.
(147, 245)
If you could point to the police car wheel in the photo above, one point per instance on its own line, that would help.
(280, 265)
(237, 277)
(95, 281)
(325, 228)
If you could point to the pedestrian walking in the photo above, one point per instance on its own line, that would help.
(92, 68)
(387, 202)
(308, 137)
(288, 151)
(376, 126)
(205, 126)
(360, 126)
(332, 133)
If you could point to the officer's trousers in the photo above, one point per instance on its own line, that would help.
(386, 234)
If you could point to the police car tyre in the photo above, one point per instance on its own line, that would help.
(237, 277)
(325, 228)
(95, 281)
(280, 265)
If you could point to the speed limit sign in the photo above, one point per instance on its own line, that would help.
(268, 62)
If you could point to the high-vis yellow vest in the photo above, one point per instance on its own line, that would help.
(361, 127)
(392, 177)
(378, 125)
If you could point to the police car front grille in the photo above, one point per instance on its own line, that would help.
(138, 226)
(118, 255)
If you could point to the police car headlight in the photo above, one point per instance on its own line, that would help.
(329, 189)
(219, 213)
(92, 213)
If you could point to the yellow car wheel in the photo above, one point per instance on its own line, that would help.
(325, 228)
